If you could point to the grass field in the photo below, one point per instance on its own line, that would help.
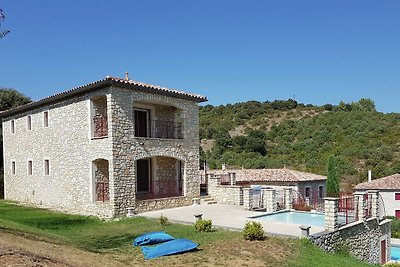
(114, 238)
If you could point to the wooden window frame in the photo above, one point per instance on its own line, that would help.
(29, 122)
(46, 119)
(30, 167)
(47, 167)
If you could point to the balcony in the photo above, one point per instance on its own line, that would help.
(158, 129)
(100, 126)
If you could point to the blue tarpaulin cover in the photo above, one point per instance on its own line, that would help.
(171, 247)
(152, 238)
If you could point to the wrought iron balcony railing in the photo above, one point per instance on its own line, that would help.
(159, 129)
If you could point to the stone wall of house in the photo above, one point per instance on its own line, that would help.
(164, 113)
(166, 169)
(224, 194)
(162, 203)
(127, 148)
(362, 238)
(68, 146)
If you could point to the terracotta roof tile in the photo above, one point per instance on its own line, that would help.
(107, 81)
(388, 182)
(271, 175)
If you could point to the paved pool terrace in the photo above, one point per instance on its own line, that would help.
(227, 216)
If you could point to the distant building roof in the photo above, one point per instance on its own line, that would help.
(386, 183)
(271, 175)
(107, 81)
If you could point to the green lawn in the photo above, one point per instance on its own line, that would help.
(115, 237)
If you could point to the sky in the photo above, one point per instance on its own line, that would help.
(316, 52)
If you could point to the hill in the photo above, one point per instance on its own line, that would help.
(286, 133)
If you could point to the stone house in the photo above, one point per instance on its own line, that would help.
(389, 189)
(306, 187)
(104, 148)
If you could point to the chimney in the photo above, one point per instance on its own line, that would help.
(126, 76)
(223, 166)
(369, 175)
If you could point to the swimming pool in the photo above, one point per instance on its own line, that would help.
(395, 253)
(300, 217)
(295, 217)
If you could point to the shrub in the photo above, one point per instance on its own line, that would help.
(163, 220)
(203, 225)
(395, 225)
(392, 264)
(253, 231)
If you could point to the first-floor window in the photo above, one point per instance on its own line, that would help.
(29, 167)
(29, 122)
(12, 126)
(13, 168)
(46, 119)
(396, 196)
(46, 167)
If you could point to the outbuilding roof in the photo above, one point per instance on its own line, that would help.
(391, 182)
(107, 81)
(271, 175)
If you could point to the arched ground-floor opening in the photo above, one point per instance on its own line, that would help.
(159, 177)
(101, 180)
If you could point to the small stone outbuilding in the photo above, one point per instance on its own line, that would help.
(103, 148)
(389, 189)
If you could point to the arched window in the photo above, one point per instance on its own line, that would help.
(101, 180)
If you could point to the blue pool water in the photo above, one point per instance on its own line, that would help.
(395, 253)
(295, 217)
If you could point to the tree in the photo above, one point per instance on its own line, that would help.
(332, 182)
(10, 98)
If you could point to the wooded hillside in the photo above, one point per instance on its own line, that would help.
(286, 133)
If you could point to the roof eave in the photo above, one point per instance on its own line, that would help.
(86, 88)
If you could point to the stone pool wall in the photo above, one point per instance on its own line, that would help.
(362, 238)
(224, 194)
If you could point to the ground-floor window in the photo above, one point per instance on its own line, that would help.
(307, 192)
(101, 179)
(397, 214)
(320, 191)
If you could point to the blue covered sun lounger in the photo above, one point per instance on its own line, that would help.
(152, 238)
(175, 246)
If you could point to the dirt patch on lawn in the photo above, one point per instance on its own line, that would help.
(18, 249)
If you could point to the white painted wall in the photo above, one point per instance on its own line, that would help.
(388, 197)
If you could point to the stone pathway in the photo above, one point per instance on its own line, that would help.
(227, 216)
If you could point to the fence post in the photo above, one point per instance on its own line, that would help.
(213, 181)
(269, 199)
(232, 178)
(331, 213)
(288, 198)
(247, 198)
(359, 200)
(374, 194)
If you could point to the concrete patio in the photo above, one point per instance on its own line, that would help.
(227, 216)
